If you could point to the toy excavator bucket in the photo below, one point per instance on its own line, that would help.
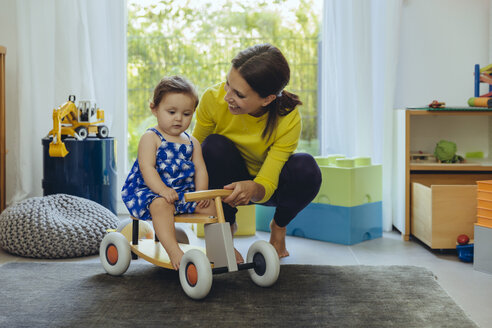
(58, 149)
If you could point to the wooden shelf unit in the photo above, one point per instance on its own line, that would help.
(447, 174)
(3, 149)
(449, 167)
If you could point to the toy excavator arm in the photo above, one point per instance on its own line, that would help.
(64, 112)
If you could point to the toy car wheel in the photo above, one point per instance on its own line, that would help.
(195, 274)
(102, 131)
(115, 253)
(267, 265)
(82, 132)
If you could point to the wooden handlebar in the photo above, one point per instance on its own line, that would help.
(206, 194)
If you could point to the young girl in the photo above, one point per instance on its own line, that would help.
(169, 164)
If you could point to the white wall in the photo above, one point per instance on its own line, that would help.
(441, 41)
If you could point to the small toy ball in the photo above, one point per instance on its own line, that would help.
(145, 230)
(463, 239)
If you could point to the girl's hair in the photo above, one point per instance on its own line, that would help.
(267, 72)
(173, 84)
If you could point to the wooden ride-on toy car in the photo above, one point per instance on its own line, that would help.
(196, 268)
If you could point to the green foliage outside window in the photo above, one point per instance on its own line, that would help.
(198, 39)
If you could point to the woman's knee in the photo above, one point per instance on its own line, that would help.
(216, 144)
(303, 168)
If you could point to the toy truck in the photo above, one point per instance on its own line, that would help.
(78, 122)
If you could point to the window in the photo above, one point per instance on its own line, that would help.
(198, 39)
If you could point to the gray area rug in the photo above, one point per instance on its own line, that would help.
(83, 295)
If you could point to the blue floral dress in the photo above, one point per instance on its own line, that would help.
(177, 171)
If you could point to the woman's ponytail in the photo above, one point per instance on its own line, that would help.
(281, 106)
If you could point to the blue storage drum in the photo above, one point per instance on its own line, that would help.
(88, 170)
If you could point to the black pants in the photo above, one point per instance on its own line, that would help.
(299, 181)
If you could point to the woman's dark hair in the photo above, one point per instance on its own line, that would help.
(173, 84)
(267, 72)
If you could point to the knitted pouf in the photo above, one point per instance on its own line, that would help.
(55, 226)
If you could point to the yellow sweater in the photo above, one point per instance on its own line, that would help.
(264, 159)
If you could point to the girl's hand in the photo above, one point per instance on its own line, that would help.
(203, 203)
(244, 192)
(170, 195)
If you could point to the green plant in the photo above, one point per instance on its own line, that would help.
(197, 39)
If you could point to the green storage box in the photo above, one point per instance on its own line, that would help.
(349, 181)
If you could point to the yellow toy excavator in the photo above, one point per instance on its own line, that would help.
(78, 122)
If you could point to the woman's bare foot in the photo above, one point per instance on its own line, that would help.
(277, 239)
(239, 257)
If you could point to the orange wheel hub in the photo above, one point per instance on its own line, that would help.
(112, 254)
(191, 274)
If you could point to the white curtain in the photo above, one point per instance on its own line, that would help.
(64, 47)
(358, 73)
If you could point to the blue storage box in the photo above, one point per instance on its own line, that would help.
(465, 252)
(88, 171)
(336, 224)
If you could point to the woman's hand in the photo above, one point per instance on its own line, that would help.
(244, 192)
(170, 195)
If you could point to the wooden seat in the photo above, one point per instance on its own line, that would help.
(195, 218)
(215, 194)
(192, 218)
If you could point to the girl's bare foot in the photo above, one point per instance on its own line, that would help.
(175, 256)
(277, 239)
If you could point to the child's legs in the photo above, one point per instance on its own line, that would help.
(163, 220)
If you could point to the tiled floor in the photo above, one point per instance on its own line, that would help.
(471, 289)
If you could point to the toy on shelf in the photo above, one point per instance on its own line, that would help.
(480, 102)
(197, 264)
(437, 104)
(421, 157)
(78, 122)
(445, 152)
(482, 75)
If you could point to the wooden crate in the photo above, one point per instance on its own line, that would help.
(440, 213)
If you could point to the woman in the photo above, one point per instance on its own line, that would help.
(249, 127)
